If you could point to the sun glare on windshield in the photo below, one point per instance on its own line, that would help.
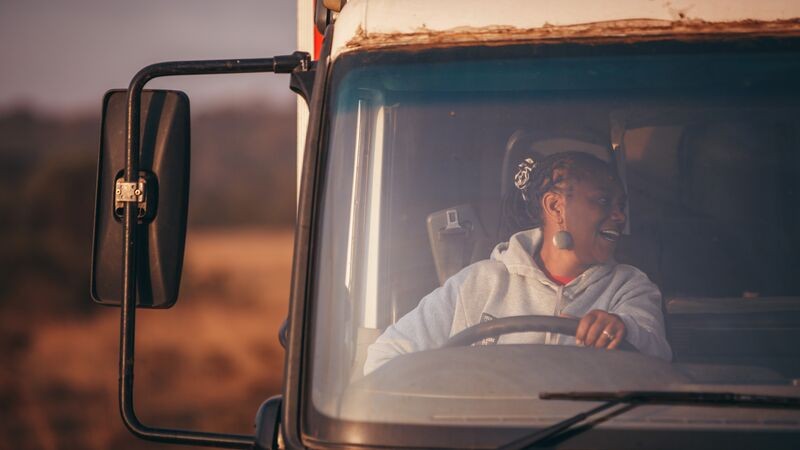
(493, 229)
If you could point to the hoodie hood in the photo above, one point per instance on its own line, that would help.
(517, 256)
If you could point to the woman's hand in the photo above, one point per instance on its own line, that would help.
(600, 329)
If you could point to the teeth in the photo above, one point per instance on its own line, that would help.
(611, 235)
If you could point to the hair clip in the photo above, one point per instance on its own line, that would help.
(522, 179)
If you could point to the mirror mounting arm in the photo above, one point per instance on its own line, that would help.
(278, 64)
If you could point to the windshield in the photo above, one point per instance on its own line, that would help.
(647, 203)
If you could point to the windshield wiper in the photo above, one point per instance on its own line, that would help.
(636, 398)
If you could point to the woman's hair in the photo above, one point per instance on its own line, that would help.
(522, 208)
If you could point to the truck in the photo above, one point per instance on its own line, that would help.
(414, 119)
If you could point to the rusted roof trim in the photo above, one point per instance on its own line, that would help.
(630, 30)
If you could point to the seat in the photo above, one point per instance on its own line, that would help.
(457, 238)
(725, 263)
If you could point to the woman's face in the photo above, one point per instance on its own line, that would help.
(594, 214)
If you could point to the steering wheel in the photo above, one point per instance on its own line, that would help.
(517, 324)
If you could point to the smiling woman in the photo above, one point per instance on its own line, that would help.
(564, 267)
(579, 201)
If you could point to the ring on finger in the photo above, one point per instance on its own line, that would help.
(608, 335)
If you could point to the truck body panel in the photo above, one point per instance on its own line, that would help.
(371, 25)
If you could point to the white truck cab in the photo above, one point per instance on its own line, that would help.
(416, 117)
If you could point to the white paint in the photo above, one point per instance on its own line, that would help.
(305, 43)
(408, 16)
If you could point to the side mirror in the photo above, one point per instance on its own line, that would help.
(163, 192)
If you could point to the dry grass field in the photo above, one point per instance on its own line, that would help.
(205, 364)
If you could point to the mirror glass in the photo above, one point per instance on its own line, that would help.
(164, 177)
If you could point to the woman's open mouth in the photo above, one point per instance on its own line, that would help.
(610, 235)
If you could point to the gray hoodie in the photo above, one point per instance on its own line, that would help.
(511, 284)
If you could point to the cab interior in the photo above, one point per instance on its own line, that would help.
(713, 216)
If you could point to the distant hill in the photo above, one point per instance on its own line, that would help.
(243, 167)
(243, 174)
(238, 154)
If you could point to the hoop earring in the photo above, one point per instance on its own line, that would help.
(563, 240)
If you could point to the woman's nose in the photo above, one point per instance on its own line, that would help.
(618, 215)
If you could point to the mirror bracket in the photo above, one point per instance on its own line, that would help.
(302, 81)
(143, 193)
(129, 192)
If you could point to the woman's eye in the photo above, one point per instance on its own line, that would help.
(604, 201)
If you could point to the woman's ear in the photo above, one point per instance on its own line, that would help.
(553, 207)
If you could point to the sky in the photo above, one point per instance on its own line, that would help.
(60, 56)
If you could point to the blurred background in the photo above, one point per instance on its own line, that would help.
(211, 360)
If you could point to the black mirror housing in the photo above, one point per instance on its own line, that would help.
(163, 193)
